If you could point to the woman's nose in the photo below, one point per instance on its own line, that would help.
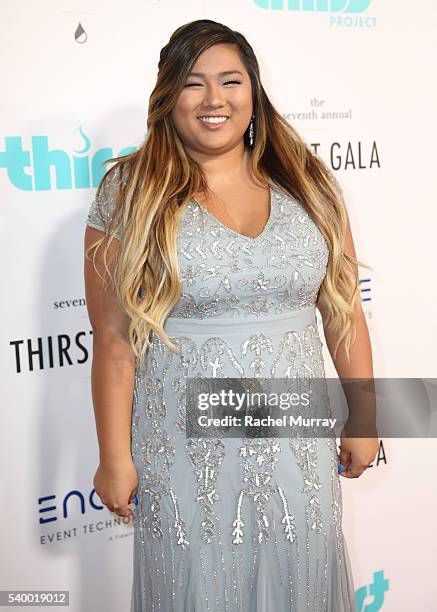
(213, 95)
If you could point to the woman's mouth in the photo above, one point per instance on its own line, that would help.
(214, 122)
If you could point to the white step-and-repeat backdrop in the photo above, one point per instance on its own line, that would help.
(357, 79)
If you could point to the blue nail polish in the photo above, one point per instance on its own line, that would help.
(340, 468)
(136, 500)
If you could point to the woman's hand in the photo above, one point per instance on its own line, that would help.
(356, 454)
(116, 482)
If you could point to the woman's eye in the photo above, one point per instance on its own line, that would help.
(226, 82)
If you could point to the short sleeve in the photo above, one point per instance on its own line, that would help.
(102, 208)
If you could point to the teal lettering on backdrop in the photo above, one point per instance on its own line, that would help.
(374, 593)
(31, 170)
(327, 6)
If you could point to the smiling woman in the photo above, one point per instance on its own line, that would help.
(223, 105)
(225, 287)
(212, 99)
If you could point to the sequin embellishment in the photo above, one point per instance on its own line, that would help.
(259, 458)
(212, 513)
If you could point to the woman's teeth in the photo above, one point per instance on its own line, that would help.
(213, 119)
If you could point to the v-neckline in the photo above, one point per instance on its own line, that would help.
(232, 231)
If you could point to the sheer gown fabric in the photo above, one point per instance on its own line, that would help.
(236, 524)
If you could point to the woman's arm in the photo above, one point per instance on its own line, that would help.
(356, 453)
(112, 379)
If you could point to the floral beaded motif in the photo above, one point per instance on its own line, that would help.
(155, 450)
(259, 458)
(209, 290)
(220, 269)
(158, 456)
(206, 456)
(242, 290)
(306, 452)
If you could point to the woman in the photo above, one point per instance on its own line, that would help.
(225, 233)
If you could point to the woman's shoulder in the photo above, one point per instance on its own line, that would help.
(104, 204)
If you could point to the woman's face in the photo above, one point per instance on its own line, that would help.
(210, 92)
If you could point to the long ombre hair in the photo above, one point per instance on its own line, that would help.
(159, 178)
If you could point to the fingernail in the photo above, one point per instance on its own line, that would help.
(136, 500)
(340, 468)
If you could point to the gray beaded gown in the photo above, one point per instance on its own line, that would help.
(236, 524)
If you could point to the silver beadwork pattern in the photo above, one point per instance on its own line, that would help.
(236, 524)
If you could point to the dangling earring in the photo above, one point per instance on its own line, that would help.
(251, 131)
